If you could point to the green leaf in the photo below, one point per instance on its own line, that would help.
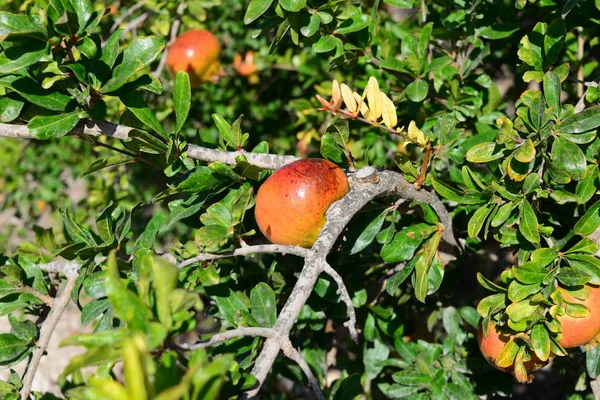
(585, 245)
(569, 157)
(53, 126)
(528, 223)
(182, 99)
(21, 55)
(554, 40)
(503, 213)
(499, 31)
(367, 236)
(530, 272)
(417, 90)
(589, 222)
(489, 285)
(453, 194)
(165, 277)
(292, 5)
(202, 180)
(330, 148)
(592, 361)
(32, 91)
(135, 103)
(587, 264)
(147, 238)
(552, 91)
(586, 188)
(126, 305)
(484, 152)
(400, 3)
(354, 24)
(229, 303)
(13, 24)
(10, 108)
(106, 163)
(518, 291)
(349, 388)
(405, 243)
(399, 277)
(422, 266)
(263, 305)
(581, 122)
(540, 339)
(255, 9)
(11, 347)
(110, 51)
(525, 152)
(572, 277)
(93, 310)
(325, 44)
(84, 9)
(478, 219)
(136, 56)
(521, 310)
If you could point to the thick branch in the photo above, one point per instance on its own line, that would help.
(60, 303)
(67, 268)
(345, 296)
(293, 354)
(364, 189)
(234, 333)
(244, 251)
(266, 161)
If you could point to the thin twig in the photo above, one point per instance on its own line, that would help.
(345, 296)
(60, 303)
(172, 37)
(48, 300)
(234, 333)
(293, 354)
(126, 15)
(244, 251)
(136, 22)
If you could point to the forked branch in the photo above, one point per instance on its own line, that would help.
(366, 185)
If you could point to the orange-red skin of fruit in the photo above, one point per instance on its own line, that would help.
(492, 345)
(291, 204)
(581, 331)
(196, 52)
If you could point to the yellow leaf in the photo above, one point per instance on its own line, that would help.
(364, 110)
(349, 99)
(415, 134)
(374, 98)
(390, 119)
(336, 95)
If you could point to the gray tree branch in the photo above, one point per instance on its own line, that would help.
(231, 334)
(59, 305)
(345, 296)
(366, 185)
(294, 355)
(244, 251)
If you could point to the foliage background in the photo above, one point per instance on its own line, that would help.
(453, 67)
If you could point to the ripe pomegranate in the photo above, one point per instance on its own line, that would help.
(196, 52)
(581, 331)
(492, 345)
(291, 204)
